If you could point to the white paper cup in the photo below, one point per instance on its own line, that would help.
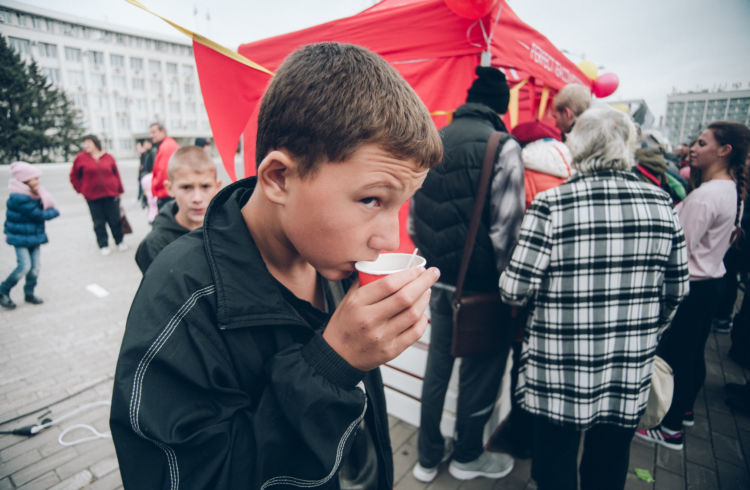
(386, 264)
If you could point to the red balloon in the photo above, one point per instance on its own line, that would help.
(471, 9)
(606, 84)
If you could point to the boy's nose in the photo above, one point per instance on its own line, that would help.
(387, 237)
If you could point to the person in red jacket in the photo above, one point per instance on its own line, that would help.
(166, 146)
(96, 177)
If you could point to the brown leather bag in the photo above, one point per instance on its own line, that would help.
(482, 323)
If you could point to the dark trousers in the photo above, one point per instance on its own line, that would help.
(479, 381)
(604, 464)
(740, 349)
(106, 211)
(683, 346)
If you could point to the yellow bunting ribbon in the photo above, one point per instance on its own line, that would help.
(543, 103)
(513, 103)
(205, 41)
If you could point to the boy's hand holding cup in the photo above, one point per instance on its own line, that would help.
(378, 320)
(387, 264)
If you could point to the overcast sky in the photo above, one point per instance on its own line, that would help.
(654, 46)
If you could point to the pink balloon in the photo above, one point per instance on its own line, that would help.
(471, 9)
(606, 84)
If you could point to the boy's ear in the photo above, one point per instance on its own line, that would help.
(273, 175)
(168, 188)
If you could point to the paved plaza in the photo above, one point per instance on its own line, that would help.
(60, 357)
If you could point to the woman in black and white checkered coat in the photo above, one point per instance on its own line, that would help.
(601, 263)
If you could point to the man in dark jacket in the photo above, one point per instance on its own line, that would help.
(235, 371)
(192, 183)
(440, 213)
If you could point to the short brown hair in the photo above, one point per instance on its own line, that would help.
(94, 139)
(329, 99)
(193, 157)
(575, 97)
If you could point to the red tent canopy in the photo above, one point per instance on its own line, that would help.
(433, 48)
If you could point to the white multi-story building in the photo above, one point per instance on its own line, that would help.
(121, 79)
(689, 113)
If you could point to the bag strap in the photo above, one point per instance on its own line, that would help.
(484, 181)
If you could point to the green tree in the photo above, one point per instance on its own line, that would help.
(37, 120)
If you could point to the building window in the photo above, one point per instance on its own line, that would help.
(79, 100)
(100, 102)
(121, 103)
(161, 46)
(174, 106)
(103, 123)
(123, 123)
(140, 104)
(154, 66)
(98, 80)
(139, 84)
(126, 144)
(136, 63)
(187, 70)
(172, 68)
(47, 50)
(119, 82)
(190, 107)
(141, 124)
(22, 46)
(72, 54)
(23, 20)
(175, 123)
(188, 89)
(156, 86)
(96, 58)
(174, 88)
(117, 61)
(75, 78)
(52, 74)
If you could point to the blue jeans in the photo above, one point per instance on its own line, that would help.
(479, 381)
(28, 265)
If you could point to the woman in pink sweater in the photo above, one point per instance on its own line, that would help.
(710, 216)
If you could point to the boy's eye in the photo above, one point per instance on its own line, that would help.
(370, 201)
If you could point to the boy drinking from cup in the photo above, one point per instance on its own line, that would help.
(244, 364)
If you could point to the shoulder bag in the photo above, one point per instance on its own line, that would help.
(481, 322)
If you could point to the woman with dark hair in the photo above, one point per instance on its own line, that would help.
(710, 216)
(95, 175)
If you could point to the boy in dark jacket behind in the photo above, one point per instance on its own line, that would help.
(235, 371)
(29, 205)
(192, 183)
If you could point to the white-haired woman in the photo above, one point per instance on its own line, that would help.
(602, 257)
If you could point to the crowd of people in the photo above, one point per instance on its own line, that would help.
(250, 354)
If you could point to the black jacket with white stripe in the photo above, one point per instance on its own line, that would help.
(224, 380)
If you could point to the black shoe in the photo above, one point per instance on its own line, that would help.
(34, 300)
(6, 302)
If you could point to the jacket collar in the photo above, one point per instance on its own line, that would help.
(246, 292)
(604, 174)
(480, 111)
